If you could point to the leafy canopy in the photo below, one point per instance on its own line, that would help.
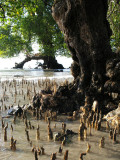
(24, 22)
(114, 20)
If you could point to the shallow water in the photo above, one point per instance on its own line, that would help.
(33, 74)
(111, 151)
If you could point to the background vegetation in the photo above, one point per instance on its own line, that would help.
(26, 22)
(114, 20)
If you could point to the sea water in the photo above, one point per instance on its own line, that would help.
(34, 73)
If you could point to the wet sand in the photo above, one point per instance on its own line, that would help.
(21, 92)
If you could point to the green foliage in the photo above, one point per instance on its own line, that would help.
(11, 43)
(114, 20)
(28, 21)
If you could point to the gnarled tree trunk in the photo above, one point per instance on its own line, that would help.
(87, 35)
(96, 69)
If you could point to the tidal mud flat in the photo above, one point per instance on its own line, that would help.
(35, 135)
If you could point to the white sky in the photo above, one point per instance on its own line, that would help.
(7, 63)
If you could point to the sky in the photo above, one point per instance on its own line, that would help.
(8, 63)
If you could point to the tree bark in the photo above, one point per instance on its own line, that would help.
(96, 69)
(87, 34)
(49, 62)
